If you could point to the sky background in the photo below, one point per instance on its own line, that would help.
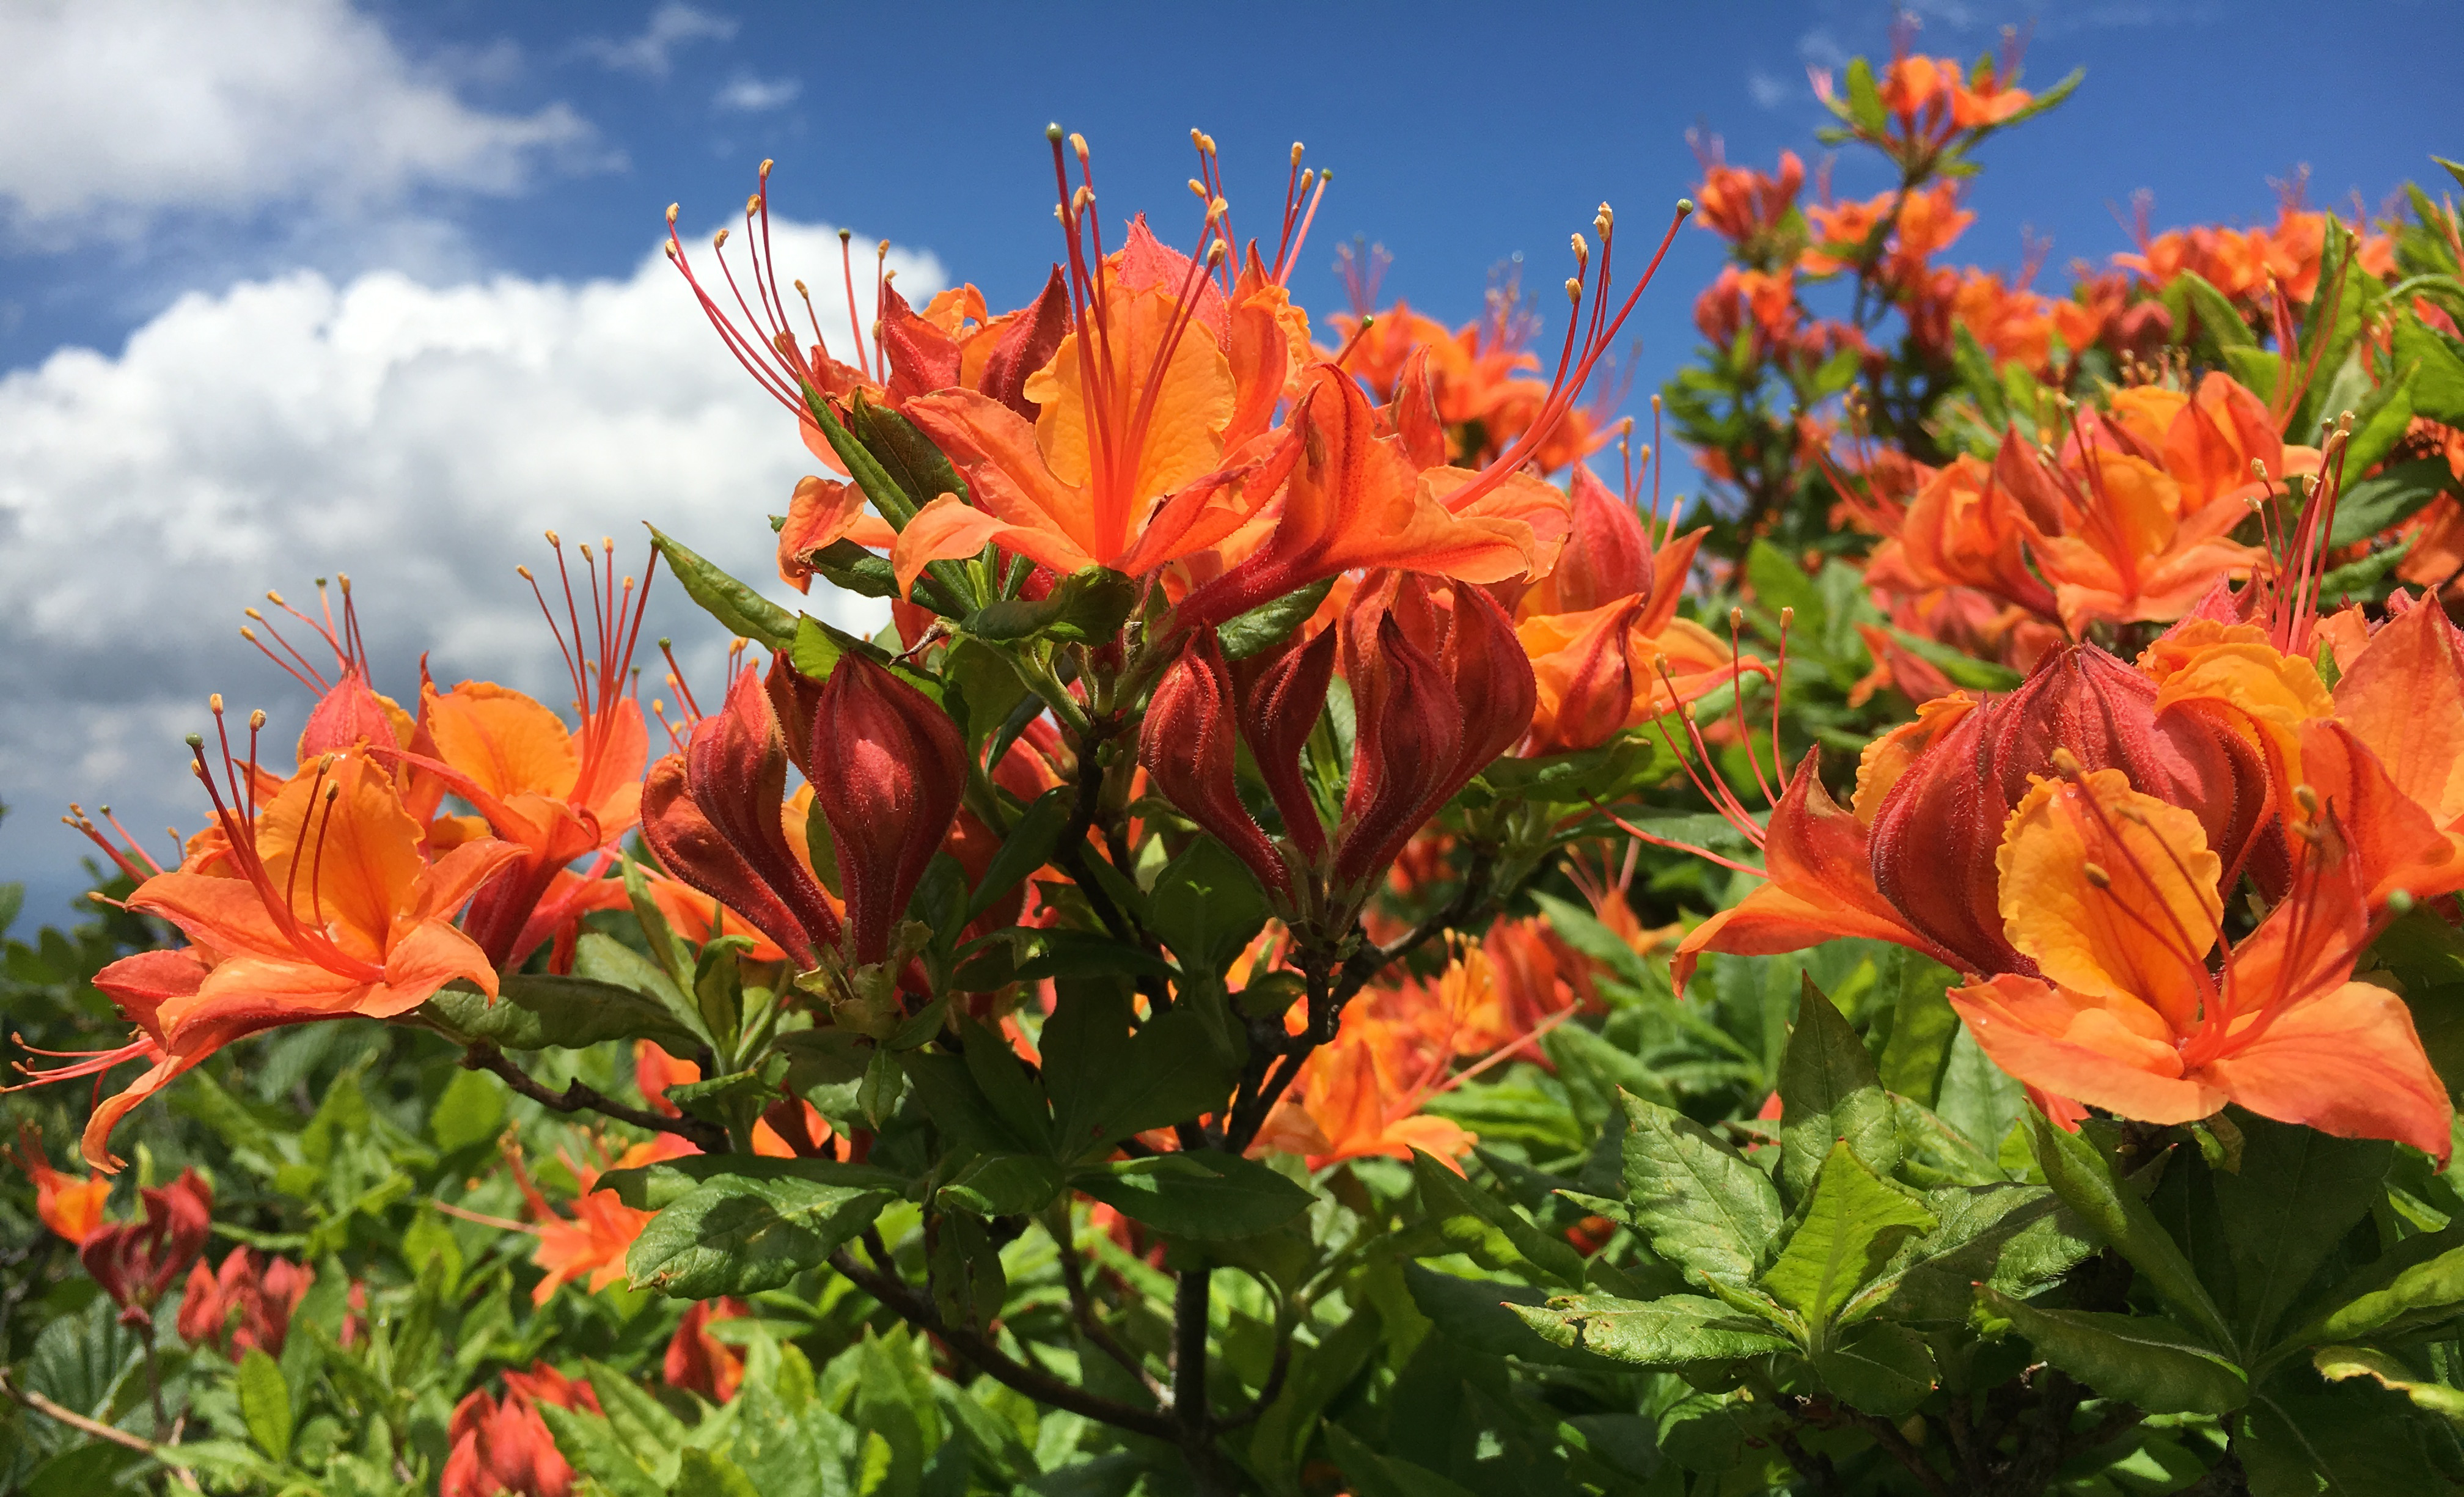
(294, 288)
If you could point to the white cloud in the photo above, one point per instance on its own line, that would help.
(113, 110)
(1766, 90)
(418, 438)
(752, 95)
(653, 52)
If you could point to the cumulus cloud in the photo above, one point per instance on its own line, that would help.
(418, 438)
(653, 52)
(112, 111)
(752, 95)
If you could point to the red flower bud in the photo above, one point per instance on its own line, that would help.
(888, 768)
(250, 1301)
(1607, 556)
(1598, 692)
(1188, 746)
(137, 1261)
(1426, 724)
(1279, 712)
(1935, 837)
(711, 815)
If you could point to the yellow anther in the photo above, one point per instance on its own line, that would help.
(2097, 877)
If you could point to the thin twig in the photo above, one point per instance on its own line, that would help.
(1082, 1307)
(83, 1425)
(918, 1310)
(1268, 1392)
(576, 1097)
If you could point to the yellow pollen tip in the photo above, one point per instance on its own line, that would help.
(2097, 877)
(522, 572)
(1787, 617)
(1078, 144)
(1736, 618)
(1574, 288)
(718, 240)
(256, 719)
(274, 598)
(802, 292)
(333, 793)
(1197, 189)
(247, 633)
(766, 164)
(2307, 798)
(671, 215)
(1296, 153)
(2065, 762)
(215, 702)
(752, 205)
(2258, 470)
(882, 249)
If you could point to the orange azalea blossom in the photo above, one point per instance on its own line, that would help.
(249, 1303)
(2210, 722)
(555, 793)
(655, 1071)
(699, 1362)
(1607, 650)
(1931, 101)
(72, 1208)
(320, 904)
(1915, 228)
(1741, 205)
(591, 1243)
(2245, 263)
(2398, 762)
(2117, 898)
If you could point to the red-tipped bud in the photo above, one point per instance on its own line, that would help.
(1279, 712)
(712, 815)
(137, 1261)
(888, 768)
(1426, 724)
(1606, 557)
(1188, 746)
(1936, 836)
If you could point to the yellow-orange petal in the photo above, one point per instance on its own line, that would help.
(2095, 1050)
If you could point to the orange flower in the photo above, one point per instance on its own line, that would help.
(249, 1303)
(71, 1207)
(1359, 1096)
(2115, 897)
(555, 793)
(699, 1362)
(321, 905)
(1743, 205)
(591, 1243)
(505, 1448)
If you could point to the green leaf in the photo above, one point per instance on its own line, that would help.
(2297, 1193)
(1375, 1475)
(1207, 906)
(655, 1188)
(1932, 1153)
(265, 1403)
(1171, 1071)
(1473, 1222)
(1670, 1332)
(1006, 1184)
(959, 1107)
(1246, 634)
(737, 607)
(734, 1234)
(1607, 773)
(2350, 1440)
(845, 564)
(1086, 607)
(588, 1443)
(1481, 1314)
(1701, 1206)
(2338, 1363)
(1923, 1026)
(2140, 1359)
(1201, 1195)
(2437, 362)
(1083, 1044)
(1829, 1090)
(906, 455)
(534, 1012)
(2417, 1282)
(2018, 1239)
(2392, 495)
(1880, 1369)
(1029, 845)
(2218, 320)
(1852, 1226)
(2112, 1212)
(704, 1473)
(1085, 954)
(472, 1111)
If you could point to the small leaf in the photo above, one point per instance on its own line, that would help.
(1006, 1184)
(1473, 1222)
(2417, 1282)
(265, 1403)
(1201, 1195)
(705, 1473)
(1669, 1332)
(2085, 1181)
(1207, 906)
(1171, 1071)
(472, 1111)
(1851, 1227)
(1828, 1090)
(734, 1234)
(2018, 1239)
(2297, 1193)
(534, 1011)
(2140, 1359)
(1880, 1369)
(2338, 1363)
(1480, 1314)
(1086, 607)
(737, 607)
(1029, 845)
(1246, 634)
(1695, 1200)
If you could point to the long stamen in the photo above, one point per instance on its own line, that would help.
(1737, 699)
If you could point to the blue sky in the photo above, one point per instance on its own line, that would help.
(288, 288)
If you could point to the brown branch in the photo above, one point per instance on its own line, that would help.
(83, 1425)
(918, 1310)
(576, 1097)
(1082, 1306)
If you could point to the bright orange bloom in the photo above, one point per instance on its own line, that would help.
(1359, 1096)
(2115, 897)
(1740, 203)
(591, 1243)
(1916, 227)
(319, 905)
(72, 1208)
(2011, 324)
